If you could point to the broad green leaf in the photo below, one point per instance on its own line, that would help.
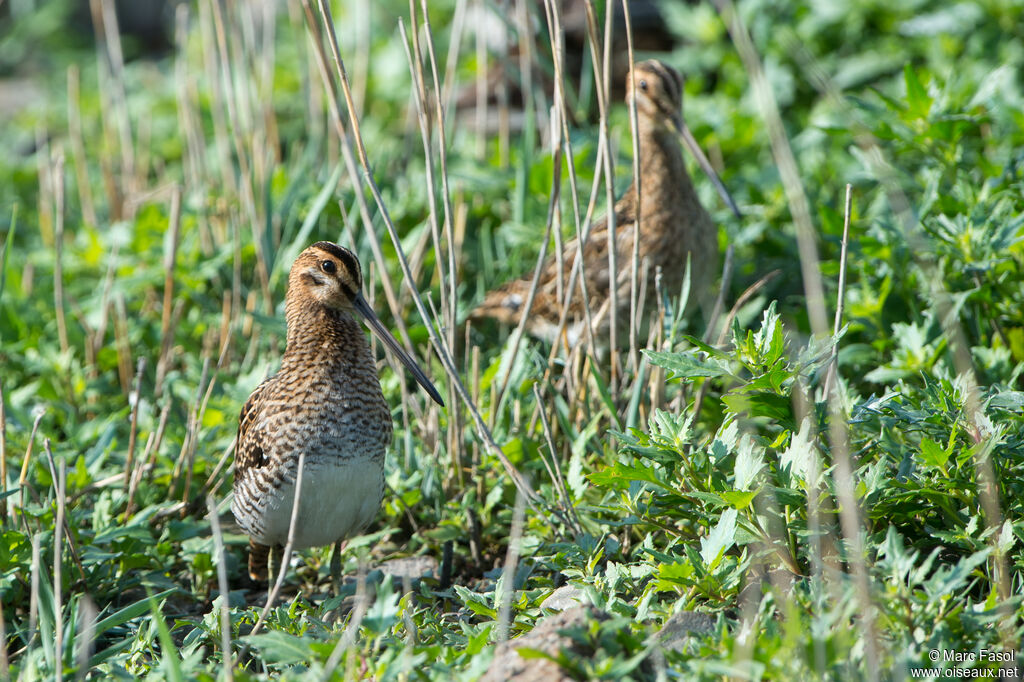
(719, 540)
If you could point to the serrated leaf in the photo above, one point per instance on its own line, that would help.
(281, 647)
(749, 461)
(719, 540)
(687, 364)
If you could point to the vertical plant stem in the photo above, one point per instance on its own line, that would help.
(170, 257)
(508, 573)
(58, 540)
(287, 555)
(833, 367)
(57, 178)
(222, 583)
(78, 155)
(134, 399)
(634, 272)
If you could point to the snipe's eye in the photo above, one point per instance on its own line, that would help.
(643, 85)
(328, 266)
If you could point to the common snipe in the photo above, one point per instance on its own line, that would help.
(326, 402)
(673, 226)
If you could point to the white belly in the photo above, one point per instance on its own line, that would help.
(337, 500)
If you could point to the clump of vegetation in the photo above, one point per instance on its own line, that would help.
(838, 495)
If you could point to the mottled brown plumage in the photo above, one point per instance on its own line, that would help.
(325, 401)
(673, 225)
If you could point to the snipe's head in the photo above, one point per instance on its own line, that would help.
(329, 276)
(659, 93)
(659, 105)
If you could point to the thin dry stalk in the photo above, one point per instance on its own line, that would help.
(238, 130)
(78, 155)
(446, 195)
(124, 350)
(4, 509)
(22, 479)
(222, 583)
(197, 420)
(286, 557)
(208, 42)
(152, 447)
(833, 366)
(170, 257)
(602, 89)
(316, 37)
(555, 469)
(582, 226)
(419, 94)
(538, 270)
(58, 542)
(634, 272)
(481, 86)
(213, 481)
(348, 637)
(98, 338)
(57, 175)
(5, 664)
(115, 101)
(712, 322)
(33, 602)
(508, 573)
(86, 638)
(439, 345)
(135, 399)
(849, 515)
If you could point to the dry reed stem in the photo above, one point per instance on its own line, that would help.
(286, 556)
(192, 439)
(5, 664)
(57, 178)
(78, 153)
(58, 606)
(22, 478)
(134, 424)
(447, 302)
(508, 573)
(833, 365)
(5, 508)
(602, 89)
(555, 469)
(439, 346)
(170, 257)
(582, 230)
(634, 126)
(33, 602)
(348, 636)
(315, 35)
(222, 583)
(86, 638)
(849, 510)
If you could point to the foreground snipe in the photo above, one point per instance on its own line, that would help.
(673, 226)
(326, 402)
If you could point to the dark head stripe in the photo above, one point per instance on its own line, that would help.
(672, 82)
(347, 258)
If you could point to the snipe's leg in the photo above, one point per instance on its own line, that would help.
(259, 561)
(336, 568)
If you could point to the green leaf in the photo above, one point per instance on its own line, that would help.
(917, 96)
(686, 364)
(932, 454)
(719, 540)
(281, 647)
(738, 499)
(749, 461)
